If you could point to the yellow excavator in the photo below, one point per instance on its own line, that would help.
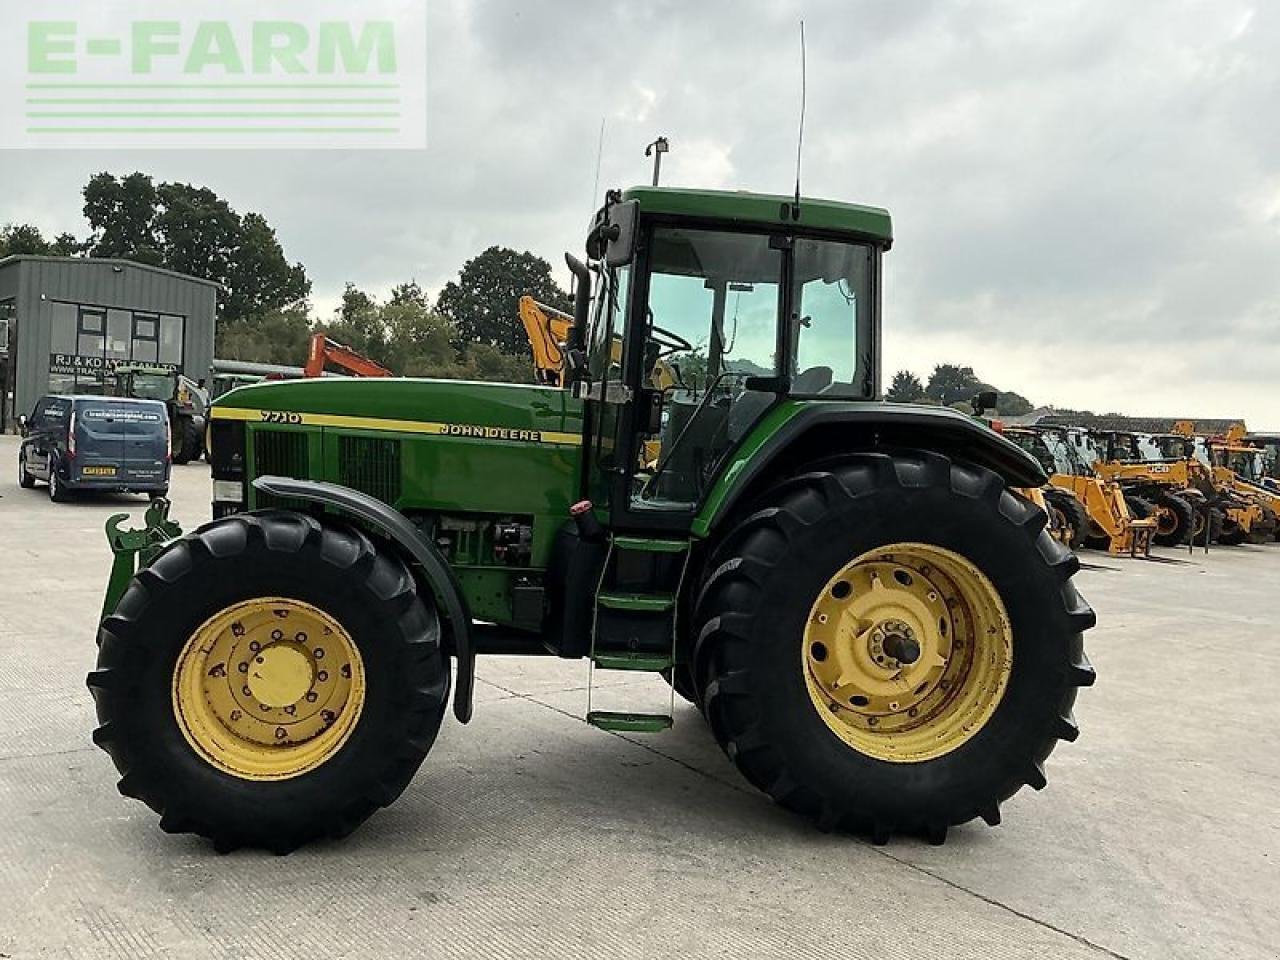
(1083, 501)
(548, 328)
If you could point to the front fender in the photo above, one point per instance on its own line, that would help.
(394, 526)
(794, 433)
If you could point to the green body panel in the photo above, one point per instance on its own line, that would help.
(765, 210)
(760, 434)
(463, 449)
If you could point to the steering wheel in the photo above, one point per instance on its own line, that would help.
(668, 342)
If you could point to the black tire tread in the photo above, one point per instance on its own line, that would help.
(760, 540)
(123, 655)
(1076, 514)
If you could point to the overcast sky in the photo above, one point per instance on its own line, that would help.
(1086, 195)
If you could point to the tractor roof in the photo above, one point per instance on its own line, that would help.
(766, 209)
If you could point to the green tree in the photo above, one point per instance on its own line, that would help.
(1013, 404)
(66, 245)
(122, 217)
(905, 388)
(483, 304)
(950, 384)
(22, 239)
(259, 277)
(279, 336)
(408, 293)
(192, 230)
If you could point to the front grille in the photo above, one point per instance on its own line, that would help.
(280, 453)
(370, 465)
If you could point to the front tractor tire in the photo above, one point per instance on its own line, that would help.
(269, 680)
(187, 442)
(892, 644)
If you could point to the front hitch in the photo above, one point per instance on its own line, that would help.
(135, 548)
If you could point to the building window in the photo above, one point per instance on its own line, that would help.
(146, 338)
(87, 343)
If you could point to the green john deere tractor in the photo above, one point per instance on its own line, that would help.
(186, 401)
(879, 633)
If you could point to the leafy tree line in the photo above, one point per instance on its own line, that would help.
(952, 385)
(472, 331)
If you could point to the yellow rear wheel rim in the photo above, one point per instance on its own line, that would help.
(907, 652)
(268, 689)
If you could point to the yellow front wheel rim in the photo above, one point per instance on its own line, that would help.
(907, 652)
(268, 689)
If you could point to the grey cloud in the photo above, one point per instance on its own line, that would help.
(1073, 184)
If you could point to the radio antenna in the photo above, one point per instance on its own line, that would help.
(795, 213)
(595, 187)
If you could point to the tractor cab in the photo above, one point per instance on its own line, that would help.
(726, 307)
(146, 383)
(1048, 446)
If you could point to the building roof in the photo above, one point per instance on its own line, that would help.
(766, 209)
(21, 257)
(1132, 424)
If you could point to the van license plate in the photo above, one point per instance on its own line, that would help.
(98, 471)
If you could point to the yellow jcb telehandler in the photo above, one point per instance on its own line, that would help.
(1160, 484)
(1237, 467)
(1096, 508)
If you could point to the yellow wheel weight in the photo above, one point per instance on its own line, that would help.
(907, 652)
(268, 689)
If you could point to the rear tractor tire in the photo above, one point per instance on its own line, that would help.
(891, 644)
(269, 680)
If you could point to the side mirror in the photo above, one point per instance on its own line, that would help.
(984, 401)
(23, 424)
(613, 235)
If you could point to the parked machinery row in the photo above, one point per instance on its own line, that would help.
(1124, 490)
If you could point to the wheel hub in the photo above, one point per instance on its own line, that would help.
(900, 645)
(907, 652)
(280, 674)
(269, 688)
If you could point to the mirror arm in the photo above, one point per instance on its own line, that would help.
(576, 342)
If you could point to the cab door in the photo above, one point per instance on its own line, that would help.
(701, 365)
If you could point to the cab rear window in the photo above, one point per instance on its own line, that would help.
(128, 420)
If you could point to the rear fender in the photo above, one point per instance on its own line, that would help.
(394, 526)
(794, 434)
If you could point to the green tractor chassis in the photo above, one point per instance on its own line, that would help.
(877, 630)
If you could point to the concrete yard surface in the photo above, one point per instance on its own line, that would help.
(528, 834)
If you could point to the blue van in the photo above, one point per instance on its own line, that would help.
(95, 443)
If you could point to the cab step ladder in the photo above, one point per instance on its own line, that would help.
(634, 626)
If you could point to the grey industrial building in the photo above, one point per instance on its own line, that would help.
(66, 323)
